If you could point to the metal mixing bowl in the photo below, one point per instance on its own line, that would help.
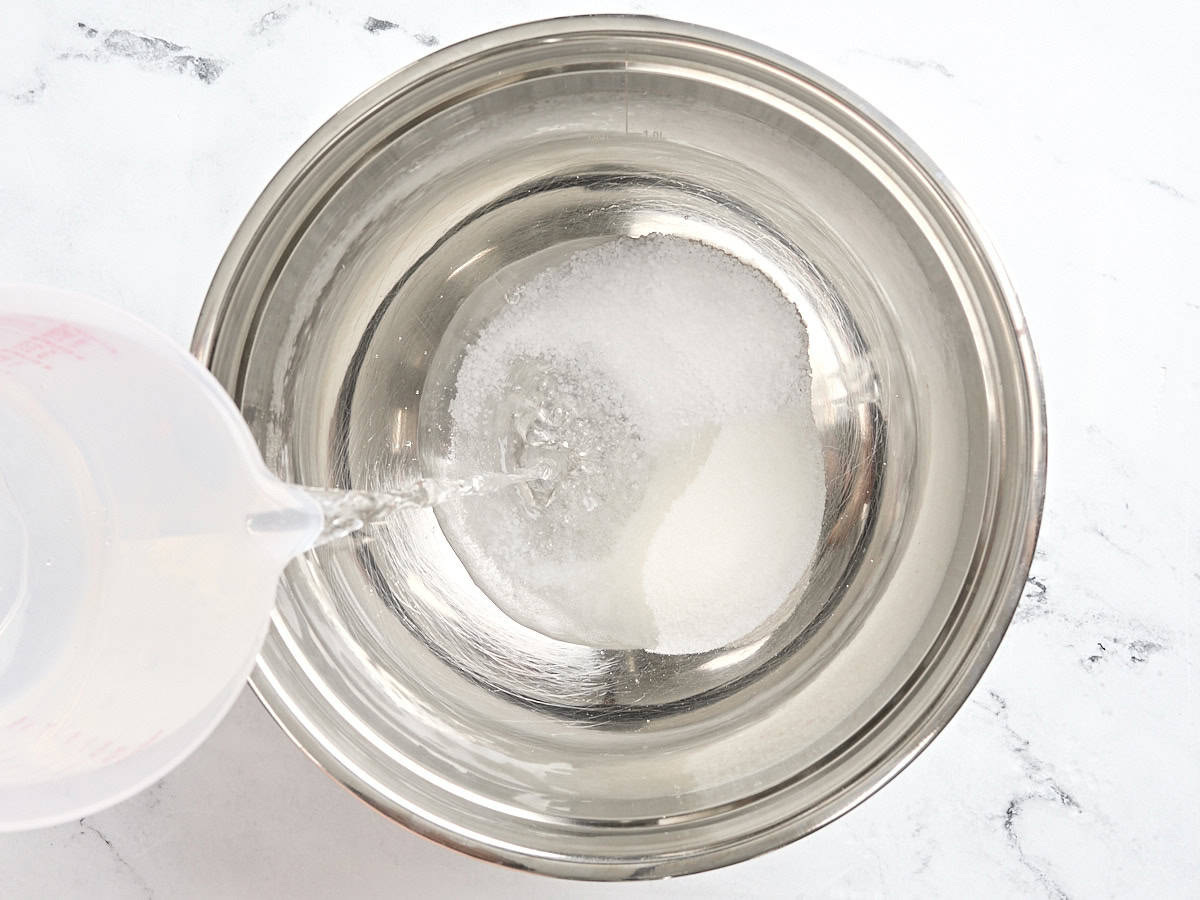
(392, 235)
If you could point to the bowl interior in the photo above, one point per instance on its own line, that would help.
(374, 260)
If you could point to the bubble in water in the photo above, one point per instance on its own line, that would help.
(557, 418)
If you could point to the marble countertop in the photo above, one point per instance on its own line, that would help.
(135, 135)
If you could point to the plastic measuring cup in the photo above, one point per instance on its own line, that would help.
(134, 596)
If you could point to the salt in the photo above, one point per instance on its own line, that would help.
(664, 387)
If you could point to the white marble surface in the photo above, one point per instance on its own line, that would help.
(134, 135)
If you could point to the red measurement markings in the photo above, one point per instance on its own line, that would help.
(48, 733)
(36, 342)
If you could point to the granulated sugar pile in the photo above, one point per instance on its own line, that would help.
(663, 387)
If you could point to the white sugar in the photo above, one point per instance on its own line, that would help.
(739, 538)
(665, 385)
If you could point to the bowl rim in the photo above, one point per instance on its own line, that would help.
(288, 710)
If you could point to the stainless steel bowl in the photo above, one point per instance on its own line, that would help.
(387, 240)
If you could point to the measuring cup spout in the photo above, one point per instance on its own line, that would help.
(290, 521)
